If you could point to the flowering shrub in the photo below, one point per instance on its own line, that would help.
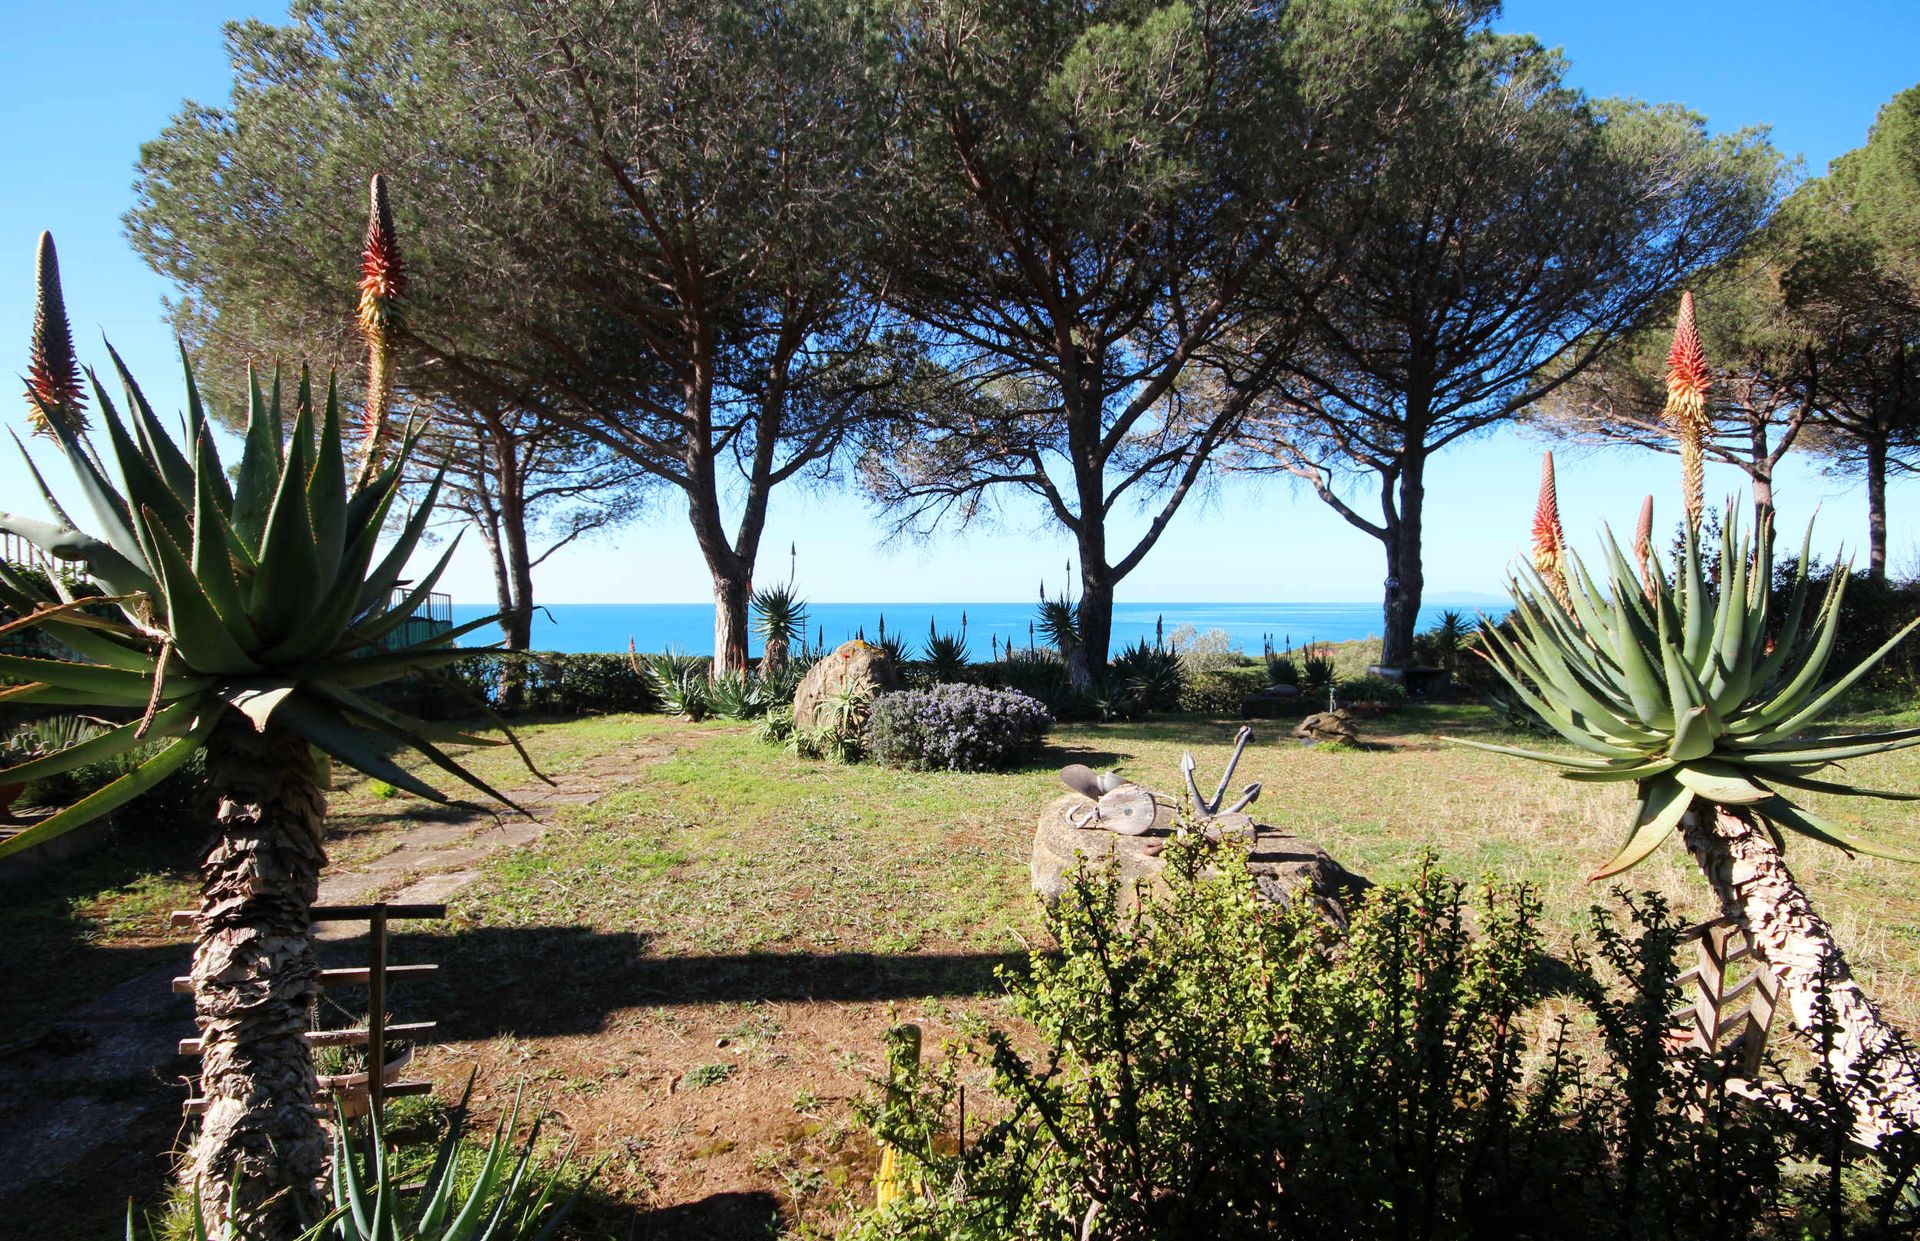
(955, 728)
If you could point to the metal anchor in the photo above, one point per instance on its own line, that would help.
(1212, 806)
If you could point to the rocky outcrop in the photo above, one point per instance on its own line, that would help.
(856, 663)
(1284, 867)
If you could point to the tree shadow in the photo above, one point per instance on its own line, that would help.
(745, 1215)
(548, 981)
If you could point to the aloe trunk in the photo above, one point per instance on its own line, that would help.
(1750, 877)
(260, 1145)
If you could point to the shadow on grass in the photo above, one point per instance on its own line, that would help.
(717, 1217)
(548, 981)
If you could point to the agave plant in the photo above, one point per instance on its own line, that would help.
(1700, 701)
(681, 681)
(254, 612)
(466, 1194)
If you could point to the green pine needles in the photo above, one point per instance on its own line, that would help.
(1688, 687)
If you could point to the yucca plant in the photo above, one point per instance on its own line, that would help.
(254, 613)
(1700, 699)
(946, 656)
(780, 622)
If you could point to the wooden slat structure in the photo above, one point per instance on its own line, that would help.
(1733, 993)
(374, 975)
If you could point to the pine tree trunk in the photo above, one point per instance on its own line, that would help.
(260, 1144)
(1089, 656)
(1877, 509)
(730, 615)
(1879, 1068)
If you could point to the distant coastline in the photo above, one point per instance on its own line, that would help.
(580, 627)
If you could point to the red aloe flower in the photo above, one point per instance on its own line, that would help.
(1686, 411)
(383, 284)
(1687, 380)
(383, 276)
(1549, 540)
(53, 372)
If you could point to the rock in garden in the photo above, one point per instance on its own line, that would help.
(856, 663)
(1283, 866)
(1328, 728)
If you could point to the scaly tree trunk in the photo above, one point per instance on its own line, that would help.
(730, 605)
(254, 978)
(1877, 507)
(1406, 579)
(1089, 657)
(1879, 1067)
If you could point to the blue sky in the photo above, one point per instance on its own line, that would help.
(84, 83)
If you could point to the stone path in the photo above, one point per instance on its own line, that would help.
(104, 1085)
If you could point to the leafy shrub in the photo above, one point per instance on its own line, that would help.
(1212, 651)
(955, 728)
(1035, 675)
(1376, 1081)
(1220, 691)
(1372, 689)
(545, 683)
(1151, 672)
(175, 797)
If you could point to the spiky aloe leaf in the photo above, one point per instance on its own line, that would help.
(253, 596)
(1662, 802)
(1684, 684)
(115, 795)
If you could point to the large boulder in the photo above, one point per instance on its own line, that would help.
(1284, 866)
(855, 663)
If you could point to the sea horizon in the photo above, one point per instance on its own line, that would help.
(989, 626)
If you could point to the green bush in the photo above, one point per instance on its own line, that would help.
(1220, 691)
(1372, 689)
(549, 683)
(1390, 1079)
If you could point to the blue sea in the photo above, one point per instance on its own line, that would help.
(688, 627)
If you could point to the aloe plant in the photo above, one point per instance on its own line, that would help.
(780, 622)
(254, 613)
(1687, 688)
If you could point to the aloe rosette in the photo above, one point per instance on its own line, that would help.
(247, 617)
(269, 594)
(1687, 687)
(1687, 691)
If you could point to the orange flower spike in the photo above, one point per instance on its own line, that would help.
(1643, 545)
(53, 372)
(1549, 540)
(383, 285)
(1686, 409)
(383, 276)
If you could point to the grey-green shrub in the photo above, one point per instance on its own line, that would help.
(955, 728)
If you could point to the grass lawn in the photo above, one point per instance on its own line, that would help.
(693, 971)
